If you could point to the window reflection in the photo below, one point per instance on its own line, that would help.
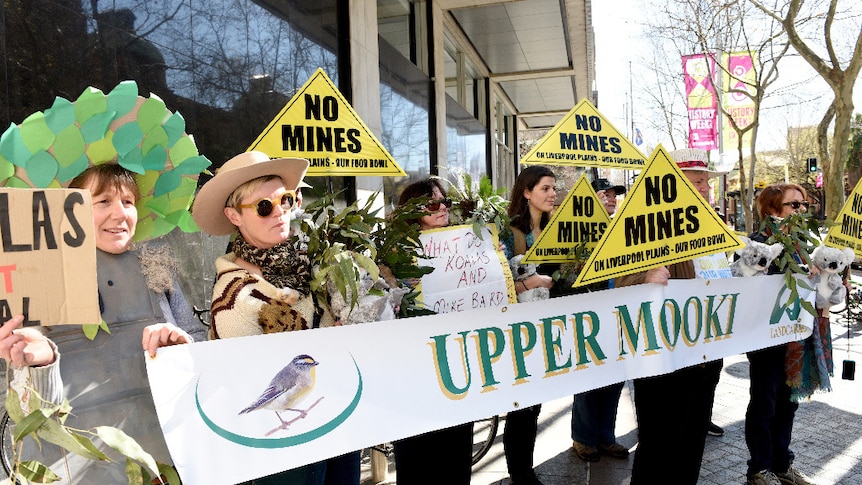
(404, 112)
(465, 142)
(228, 66)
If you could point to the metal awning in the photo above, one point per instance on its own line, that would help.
(541, 52)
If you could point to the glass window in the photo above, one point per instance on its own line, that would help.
(465, 142)
(405, 119)
(228, 66)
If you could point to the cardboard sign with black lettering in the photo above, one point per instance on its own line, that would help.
(48, 256)
(320, 125)
(579, 222)
(663, 220)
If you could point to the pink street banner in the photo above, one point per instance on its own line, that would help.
(699, 74)
(739, 78)
(377, 382)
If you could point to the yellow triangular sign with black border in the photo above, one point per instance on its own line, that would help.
(585, 138)
(574, 229)
(320, 125)
(847, 232)
(663, 220)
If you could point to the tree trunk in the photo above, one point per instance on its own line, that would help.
(834, 169)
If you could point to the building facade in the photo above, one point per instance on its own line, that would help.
(445, 85)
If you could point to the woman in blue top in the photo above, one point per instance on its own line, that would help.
(533, 198)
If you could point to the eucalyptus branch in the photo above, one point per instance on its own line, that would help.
(478, 205)
(797, 233)
(47, 422)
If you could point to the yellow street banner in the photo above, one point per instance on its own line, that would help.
(585, 138)
(320, 125)
(847, 232)
(574, 229)
(663, 220)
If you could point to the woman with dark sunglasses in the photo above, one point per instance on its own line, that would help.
(437, 207)
(263, 283)
(770, 413)
(445, 455)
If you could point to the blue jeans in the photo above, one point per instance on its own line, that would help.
(594, 415)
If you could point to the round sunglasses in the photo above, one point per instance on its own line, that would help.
(264, 207)
(434, 205)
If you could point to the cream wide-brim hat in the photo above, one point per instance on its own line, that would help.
(693, 159)
(209, 204)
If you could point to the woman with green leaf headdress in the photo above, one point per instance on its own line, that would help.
(141, 168)
(138, 294)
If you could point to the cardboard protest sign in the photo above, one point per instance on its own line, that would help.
(382, 381)
(663, 220)
(847, 232)
(48, 257)
(320, 125)
(469, 271)
(585, 138)
(579, 222)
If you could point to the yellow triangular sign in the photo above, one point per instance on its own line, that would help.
(847, 232)
(663, 220)
(320, 125)
(574, 229)
(585, 138)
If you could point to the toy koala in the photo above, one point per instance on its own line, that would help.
(829, 283)
(376, 301)
(754, 258)
(521, 272)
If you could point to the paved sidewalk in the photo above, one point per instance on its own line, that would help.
(827, 435)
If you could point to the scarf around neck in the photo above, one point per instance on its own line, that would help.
(281, 265)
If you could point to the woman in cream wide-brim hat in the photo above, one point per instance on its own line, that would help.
(263, 284)
(208, 210)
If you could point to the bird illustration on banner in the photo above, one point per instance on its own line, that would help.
(287, 389)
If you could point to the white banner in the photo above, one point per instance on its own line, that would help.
(378, 382)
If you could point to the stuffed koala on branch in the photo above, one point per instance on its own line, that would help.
(754, 258)
(520, 272)
(830, 282)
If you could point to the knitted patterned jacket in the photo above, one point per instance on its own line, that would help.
(246, 304)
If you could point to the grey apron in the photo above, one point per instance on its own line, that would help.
(105, 379)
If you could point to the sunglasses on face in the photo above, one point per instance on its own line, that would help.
(434, 205)
(795, 204)
(264, 206)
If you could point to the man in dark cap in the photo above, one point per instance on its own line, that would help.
(608, 193)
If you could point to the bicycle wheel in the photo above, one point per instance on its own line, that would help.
(6, 443)
(854, 304)
(484, 432)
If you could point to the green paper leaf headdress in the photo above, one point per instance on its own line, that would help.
(50, 148)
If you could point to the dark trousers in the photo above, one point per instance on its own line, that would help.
(519, 441)
(673, 416)
(442, 456)
(594, 415)
(769, 417)
(338, 470)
